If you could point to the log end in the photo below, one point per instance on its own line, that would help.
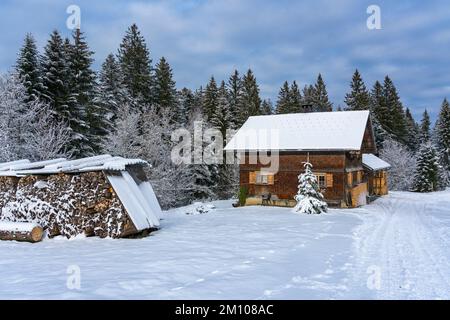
(37, 234)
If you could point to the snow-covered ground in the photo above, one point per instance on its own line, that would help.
(397, 247)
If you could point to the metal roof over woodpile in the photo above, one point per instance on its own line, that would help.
(343, 130)
(96, 163)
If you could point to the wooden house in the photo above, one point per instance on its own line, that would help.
(340, 146)
(100, 196)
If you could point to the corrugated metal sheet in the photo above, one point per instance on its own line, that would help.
(134, 201)
(97, 163)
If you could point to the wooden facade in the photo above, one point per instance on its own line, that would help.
(343, 179)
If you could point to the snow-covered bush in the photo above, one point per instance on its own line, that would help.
(124, 140)
(403, 164)
(28, 129)
(198, 208)
(309, 198)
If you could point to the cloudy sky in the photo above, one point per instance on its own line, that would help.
(279, 40)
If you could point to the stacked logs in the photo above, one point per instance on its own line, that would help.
(67, 204)
(8, 187)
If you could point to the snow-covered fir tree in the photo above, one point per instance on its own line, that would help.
(111, 93)
(295, 98)
(221, 117)
(308, 93)
(428, 175)
(210, 99)
(321, 100)
(165, 92)
(197, 106)
(87, 119)
(413, 131)
(251, 102)
(442, 136)
(289, 99)
(135, 63)
(283, 102)
(28, 68)
(358, 98)
(186, 105)
(380, 134)
(309, 198)
(395, 122)
(425, 127)
(221, 121)
(55, 72)
(197, 181)
(379, 114)
(266, 107)
(377, 104)
(234, 88)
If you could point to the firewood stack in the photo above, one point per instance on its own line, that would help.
(8, 186)
(102, 196)
(66, 204)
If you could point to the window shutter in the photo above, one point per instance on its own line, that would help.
(329, 180)
(270, 179)
(252, 177)
(350, 178)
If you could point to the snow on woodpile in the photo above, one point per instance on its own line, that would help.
(374, 163)
(20, 231)
(99, 196)
(17, 226)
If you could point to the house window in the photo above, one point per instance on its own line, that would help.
(257, 177)
(262, 179)
(322, 181)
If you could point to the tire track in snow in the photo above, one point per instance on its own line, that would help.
(398, 237)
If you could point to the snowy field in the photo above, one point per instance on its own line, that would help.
(402, 241)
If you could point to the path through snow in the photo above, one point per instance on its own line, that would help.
(406, 237)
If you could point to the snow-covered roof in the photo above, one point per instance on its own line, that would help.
(97, 163)
(343, 130)
(374, 163)
(8, 165)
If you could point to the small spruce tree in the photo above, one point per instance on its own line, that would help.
(309, 198)
(428, 175)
